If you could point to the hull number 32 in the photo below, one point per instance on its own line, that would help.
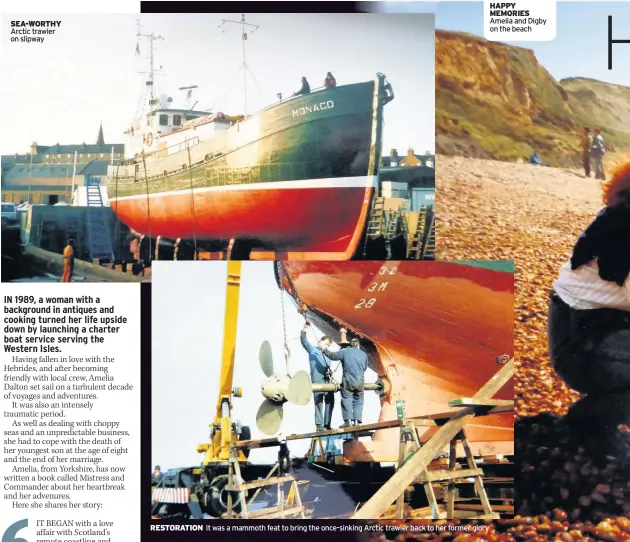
(376, 287)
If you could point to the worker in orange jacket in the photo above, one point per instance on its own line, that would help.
(68, 262)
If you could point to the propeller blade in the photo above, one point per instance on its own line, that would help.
(266, 358)
(300, 390)
(269, 417)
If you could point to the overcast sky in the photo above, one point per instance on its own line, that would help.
(60, 90)
(188, 315)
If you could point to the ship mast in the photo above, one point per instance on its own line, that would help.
(244, 66)
(151, 82)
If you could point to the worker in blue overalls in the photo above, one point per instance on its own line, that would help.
(320, 374)
(354, 362)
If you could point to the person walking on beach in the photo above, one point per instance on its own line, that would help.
(587, 142)
(68, 262)
(598, 149)
(589, 310)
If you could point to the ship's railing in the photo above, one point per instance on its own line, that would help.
(193, 141)
(291, 98)
(285, 171)
(225, 176)
(132, 161)
(182, 146)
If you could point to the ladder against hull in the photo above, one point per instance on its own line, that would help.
(98, 222)
(376, 222)
(428, 248)
(421, 244)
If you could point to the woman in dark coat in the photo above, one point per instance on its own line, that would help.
(589, 311)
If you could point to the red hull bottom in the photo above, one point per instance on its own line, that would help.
(489, 435)
(321, 220)
(437, 330)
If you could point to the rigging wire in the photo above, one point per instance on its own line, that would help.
(141, 97)
(146, 181)
(192, 201)
(259, 87)
(117, 203)
(231, 86)
(282, 272)
(287, 351)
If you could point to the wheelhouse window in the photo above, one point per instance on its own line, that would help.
(163, 120)
(177, 120)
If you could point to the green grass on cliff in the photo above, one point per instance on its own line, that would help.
(501, 134)
(539, 113)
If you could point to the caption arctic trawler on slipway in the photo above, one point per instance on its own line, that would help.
(297, 180)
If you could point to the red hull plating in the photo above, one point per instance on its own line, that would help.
(438, 329)
(326, 220)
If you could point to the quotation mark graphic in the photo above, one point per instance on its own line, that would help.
(9, 534)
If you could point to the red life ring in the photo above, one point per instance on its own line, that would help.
(150, 139)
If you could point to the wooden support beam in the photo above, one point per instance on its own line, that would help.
(295, 489)
(367, 428)
(251, 501)
(428, 420)
(469, 514)
(490, 403)
(260, 443)
(479, 487)
(230, 481)
(237, 471)
(260, 483)
(413, 467)
(433, 503)
(450, 488)
(500, 379)
(479, 507)
(426, 513)
(402, 452)
(473, 500)
(275, 512)
(443, 475)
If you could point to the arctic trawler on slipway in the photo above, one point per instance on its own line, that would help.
(295, 178)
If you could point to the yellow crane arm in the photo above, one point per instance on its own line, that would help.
(223, 435)
(229, 340)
